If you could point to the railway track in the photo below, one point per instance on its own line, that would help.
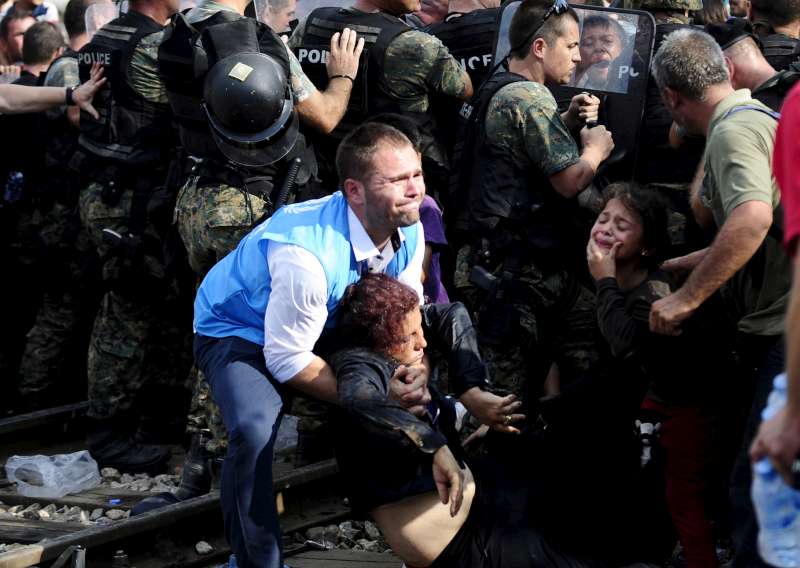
(306, 497)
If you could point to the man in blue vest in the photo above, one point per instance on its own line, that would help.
(261, 310)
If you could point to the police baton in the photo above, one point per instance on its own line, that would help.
(288, 183)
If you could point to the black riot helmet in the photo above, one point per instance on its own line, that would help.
(248, 102)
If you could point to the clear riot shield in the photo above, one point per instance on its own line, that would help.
(98, 15)
(616, 48)
(305, 7)
(279, 14)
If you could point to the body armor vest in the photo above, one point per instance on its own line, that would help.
(506, 198)
(773, 92)
(184, 60)
(658, 162)
(369, 96)
(132, 131)
(780, 50)
(470, 39)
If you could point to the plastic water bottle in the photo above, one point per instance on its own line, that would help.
(777, 504)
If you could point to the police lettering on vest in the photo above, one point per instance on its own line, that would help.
(313, 55)
(470, 39)
(92, 58)
(131, 131)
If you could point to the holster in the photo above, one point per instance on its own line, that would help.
(498, 318)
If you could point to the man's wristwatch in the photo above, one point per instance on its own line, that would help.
(69, 101)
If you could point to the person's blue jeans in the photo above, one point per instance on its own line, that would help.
(252, 407)
(762, 357)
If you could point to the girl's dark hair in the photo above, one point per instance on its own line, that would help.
(373, 310)
(653, 210)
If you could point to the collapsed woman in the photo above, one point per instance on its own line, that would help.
(408, 471)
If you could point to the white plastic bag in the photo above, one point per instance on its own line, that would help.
(52, 477)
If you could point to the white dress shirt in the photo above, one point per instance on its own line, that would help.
(297, 308)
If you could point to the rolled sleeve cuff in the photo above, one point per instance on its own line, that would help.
(558, 167)
(285, 368)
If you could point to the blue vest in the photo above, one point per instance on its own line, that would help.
(233, 298)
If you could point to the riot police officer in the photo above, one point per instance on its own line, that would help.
(400, 69)
(48, 367)
(521, 206)
(778, 24)
(139, 339)
(228, 190)
(748, 67)
(658, 163)
(468, 33)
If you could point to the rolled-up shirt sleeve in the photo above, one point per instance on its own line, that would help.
(296, 311)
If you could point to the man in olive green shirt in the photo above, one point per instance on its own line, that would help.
(745, 261)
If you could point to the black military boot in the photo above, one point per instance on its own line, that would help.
(111, 445)
(195, 479)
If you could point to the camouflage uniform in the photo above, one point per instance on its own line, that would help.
(61, 328)
(416, 66)
(553, 314)
(212, 217)
(140, 338)
(211, 220)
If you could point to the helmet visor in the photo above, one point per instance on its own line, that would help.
(261, 148)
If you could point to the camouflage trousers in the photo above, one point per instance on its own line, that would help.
(52, 363)
(212, 218)
(554, 321)
(140, 342)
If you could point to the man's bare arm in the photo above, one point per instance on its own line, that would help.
(17, 99)
(323, 110)
(702, 214)
(737, 242)
(469, 88)
(597, 146)
(316, 379)
(685, 264)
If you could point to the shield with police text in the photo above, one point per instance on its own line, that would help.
(616, 46)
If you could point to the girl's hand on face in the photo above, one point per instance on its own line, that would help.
(601, 264)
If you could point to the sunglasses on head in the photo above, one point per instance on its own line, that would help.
(558, 7)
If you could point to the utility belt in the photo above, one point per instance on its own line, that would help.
(497, 264)
(262, 186)
(214, 173)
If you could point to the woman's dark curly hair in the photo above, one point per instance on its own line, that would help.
(653, 210)
(372, 311)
